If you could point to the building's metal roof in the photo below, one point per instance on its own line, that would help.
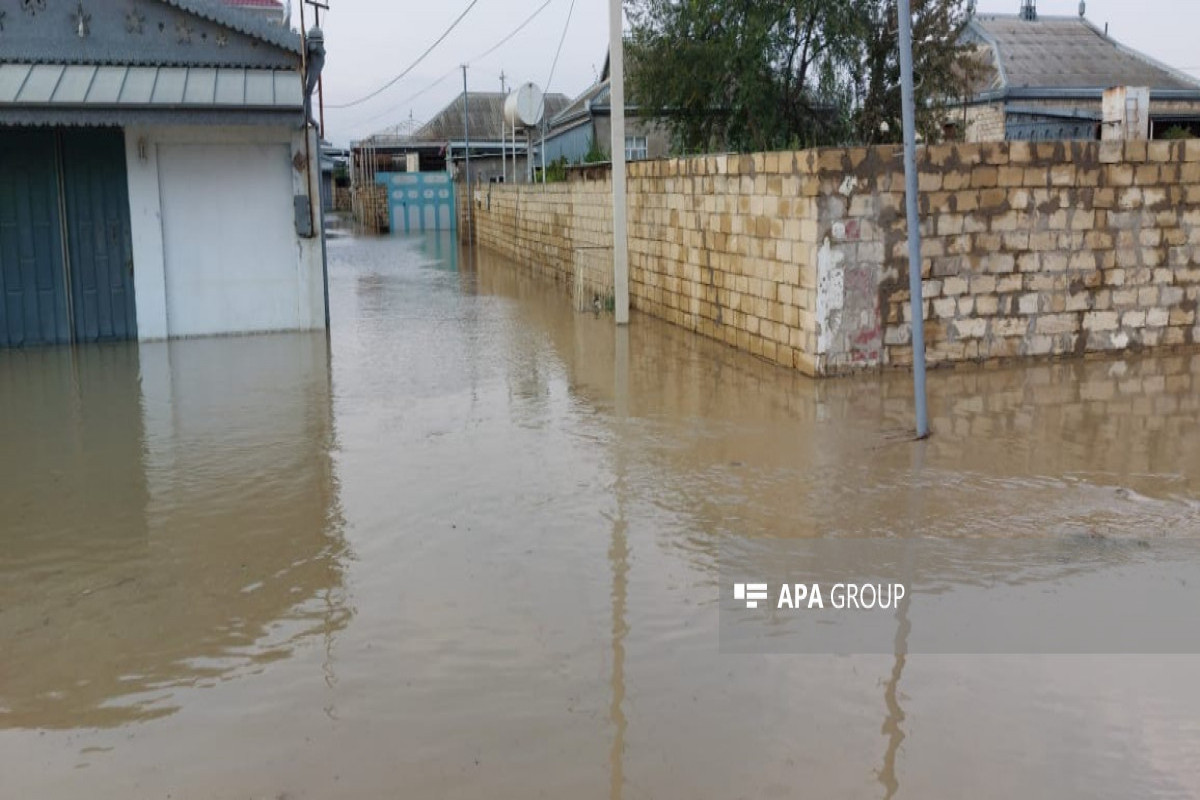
(93, 87)
(148, 33)
(241, 20)
(486, 113)
(1060, 53)
(594, 95)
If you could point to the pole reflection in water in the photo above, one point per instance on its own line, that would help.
(893, 722)
(619, 556)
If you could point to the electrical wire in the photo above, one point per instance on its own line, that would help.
(558, 52)
(392, 109)
(413, 65)
(518, 29)
(474, 60)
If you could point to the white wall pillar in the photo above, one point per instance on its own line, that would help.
(145, 222)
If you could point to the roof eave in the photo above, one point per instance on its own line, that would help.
(1075, 93)
(242, 21)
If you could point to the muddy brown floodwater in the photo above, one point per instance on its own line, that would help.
(470, 550)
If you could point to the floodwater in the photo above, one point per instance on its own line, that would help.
(470, 549)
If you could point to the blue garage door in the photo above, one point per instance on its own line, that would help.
(32, 279)
(98, 236)
(66, 268)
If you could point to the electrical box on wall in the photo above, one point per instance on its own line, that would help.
(303, 210)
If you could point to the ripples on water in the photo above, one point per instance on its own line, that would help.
(470, 550)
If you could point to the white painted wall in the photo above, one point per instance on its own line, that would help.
(214, 240)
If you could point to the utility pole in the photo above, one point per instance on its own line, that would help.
(503, 130)
(616, 50)
(911, 186)
(467, 151)
(317, 6)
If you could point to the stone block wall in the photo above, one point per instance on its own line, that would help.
(725, 246)
(1029, 249)
(560, 230)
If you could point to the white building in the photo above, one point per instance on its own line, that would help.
(157, 175)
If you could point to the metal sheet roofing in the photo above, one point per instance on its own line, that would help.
(236, 17)
(486, 113)
(92, 86)
(1067, 53)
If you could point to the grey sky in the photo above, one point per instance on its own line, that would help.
(371, 41)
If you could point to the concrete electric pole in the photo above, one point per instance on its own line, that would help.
(616, 75)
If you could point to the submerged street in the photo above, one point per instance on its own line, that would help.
(470, 548)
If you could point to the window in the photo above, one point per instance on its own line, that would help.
(636, 148)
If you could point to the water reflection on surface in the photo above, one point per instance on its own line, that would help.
(170, 521)
(499, 578)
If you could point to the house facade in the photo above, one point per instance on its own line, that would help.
(1044, 78)
(158, 178)
(585, 126)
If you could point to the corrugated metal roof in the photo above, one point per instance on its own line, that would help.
(596, 93)
(90, 85)
(1067, 53)
(486, 113)
(241, 20)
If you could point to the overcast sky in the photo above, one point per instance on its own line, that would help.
(371, 41)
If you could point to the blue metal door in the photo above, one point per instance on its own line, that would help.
(419, 201)
(33, 296)
(66, 266)
(98, 237)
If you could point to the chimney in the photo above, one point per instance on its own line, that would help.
(1082, 8)
(1029, 10)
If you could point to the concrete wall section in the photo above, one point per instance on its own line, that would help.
(215, 244)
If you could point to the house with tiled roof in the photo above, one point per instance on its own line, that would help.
(158, 173)
(1045, 77)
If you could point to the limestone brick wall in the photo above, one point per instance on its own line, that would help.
(560, 230)
(1030, 249)
(985, 123)
(725, 246)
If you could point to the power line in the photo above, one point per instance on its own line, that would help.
(409, 99)
(558, 52)
(480, 57)
(413, 65)
(518, 29)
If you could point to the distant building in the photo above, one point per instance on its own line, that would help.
(333, 161)
(441, 143)
(585, 125)
(272, 10)
(157, 175)
(1044, 77)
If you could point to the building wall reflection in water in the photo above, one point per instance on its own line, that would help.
(171, 519)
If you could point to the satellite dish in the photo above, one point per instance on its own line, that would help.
(524, 106)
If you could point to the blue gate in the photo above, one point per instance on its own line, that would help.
(419, 201)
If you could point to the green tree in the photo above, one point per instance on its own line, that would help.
(766, 74)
